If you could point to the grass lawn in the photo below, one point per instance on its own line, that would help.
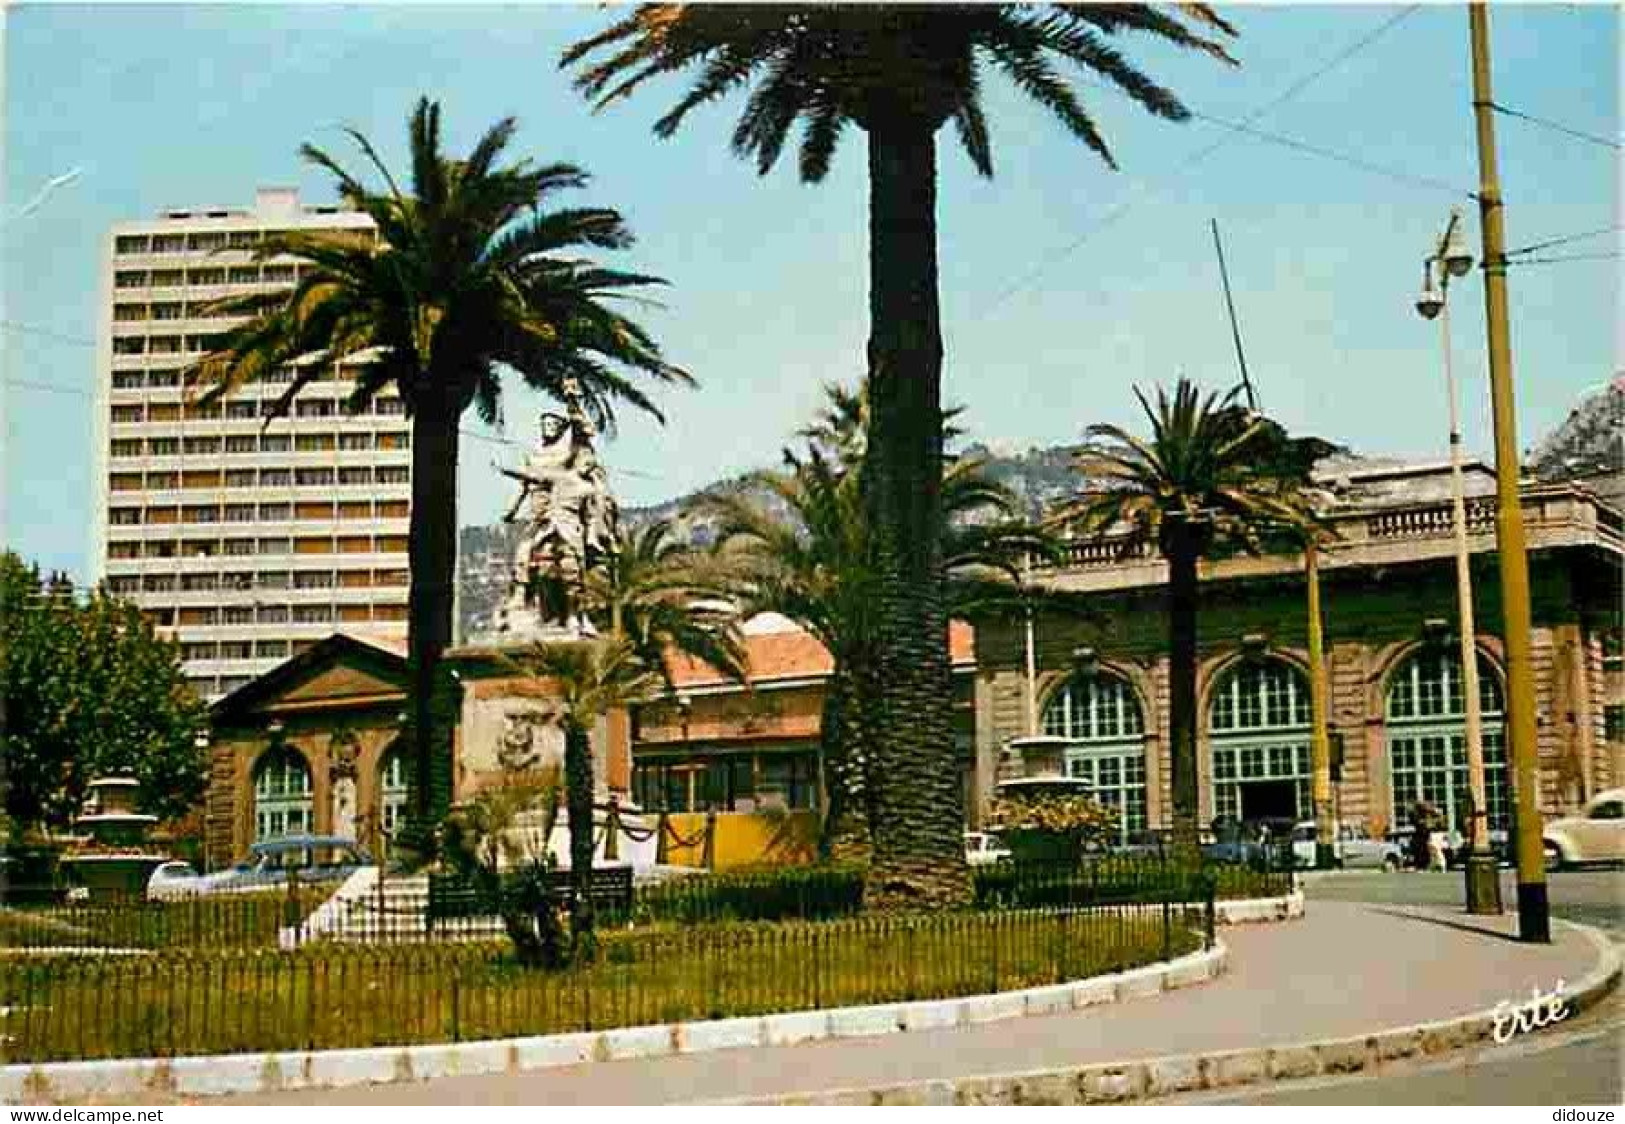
(246, 920)
(326, 996)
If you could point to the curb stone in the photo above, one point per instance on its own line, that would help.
(1117, 1082)
(225, 1074)
(1248, 911)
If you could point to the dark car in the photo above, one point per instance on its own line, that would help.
(301, 859)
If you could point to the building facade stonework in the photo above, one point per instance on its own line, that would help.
(316, 746)
(747, 760)
(1394, 686)
(312, 747)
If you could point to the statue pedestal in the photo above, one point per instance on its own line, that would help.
(639, 853)
(510, 722)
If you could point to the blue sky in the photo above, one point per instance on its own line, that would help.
(1063, 283)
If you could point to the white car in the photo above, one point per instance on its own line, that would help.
(983, 848)
(1596, 835)
(1350, 850)
(171, 880)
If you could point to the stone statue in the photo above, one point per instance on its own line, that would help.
(344, 752)
(570, 518)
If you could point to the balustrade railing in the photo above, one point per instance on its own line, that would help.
(1423, 522)
(1544, 510)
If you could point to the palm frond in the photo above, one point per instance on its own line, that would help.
(827, 66)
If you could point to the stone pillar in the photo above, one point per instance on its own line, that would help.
(1574, 718)
(1161, 796)
(225, 796)
(618, 751)
(985, 746)
(1372, 746)
(1347, 699)
(1550, 728)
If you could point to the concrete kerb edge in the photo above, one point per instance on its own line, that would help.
(1145, 1078)
(225, 1074)
(1247, 911)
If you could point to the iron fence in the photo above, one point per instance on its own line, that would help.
(187, 1002)
(241, 920)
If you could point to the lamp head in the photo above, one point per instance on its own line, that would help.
(1457, 258)
(1430, 302)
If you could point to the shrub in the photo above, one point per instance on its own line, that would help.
(809, 893)
(1051, 827)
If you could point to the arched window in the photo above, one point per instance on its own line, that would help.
(1100, 715)
(1258, 725)
(282, 796)
(392, 794)
(1427, 739)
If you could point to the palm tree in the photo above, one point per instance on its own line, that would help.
(657, 591)
(1212, 476)
(649, 600)
(898, 72)
(466, 274)
(588, 678)
(795, 542)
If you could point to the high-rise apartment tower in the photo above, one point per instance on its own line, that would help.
(249, 539)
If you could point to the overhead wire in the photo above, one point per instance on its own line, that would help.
(1564, 240)
(1196, 156)
(1556, 126)
(1566, 258)
(54, 388)
(48, 333)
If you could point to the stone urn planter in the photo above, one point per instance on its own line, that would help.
(111, 855)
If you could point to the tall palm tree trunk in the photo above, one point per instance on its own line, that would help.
(578, 792)
(433, 532)
(847, 747)
(1182, 602)
(919, 797)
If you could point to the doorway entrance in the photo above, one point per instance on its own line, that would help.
(1269, 800)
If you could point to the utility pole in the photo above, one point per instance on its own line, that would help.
(1032, 648)
(1320, 753)
(1534, 916)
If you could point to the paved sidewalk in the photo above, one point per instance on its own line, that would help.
(1345, 969)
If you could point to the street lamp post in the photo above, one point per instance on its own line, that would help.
(1451, 258)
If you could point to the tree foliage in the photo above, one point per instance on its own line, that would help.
(899, 72)
(830, 66)
(1212, 477)
(648, 601)
(497, 841)
(90, 691)
(815, 564)
(471, 272)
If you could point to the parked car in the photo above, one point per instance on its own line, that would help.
(1263, 844)
(1275, 854)
(1350, 849)
(303, 859)
(1595, 835)
(984, 848)
(1401, 837)
(1149, 844)
(171, 880)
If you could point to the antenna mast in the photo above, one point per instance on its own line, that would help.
(1235, 326)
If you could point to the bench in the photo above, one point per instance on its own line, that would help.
(451, 896)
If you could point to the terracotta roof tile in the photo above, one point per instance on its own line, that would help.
(798, 655)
